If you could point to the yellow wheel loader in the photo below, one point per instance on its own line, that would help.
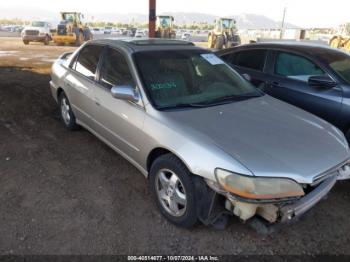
(71, 30)
(342, 40)
(165, 27)
(224, 34)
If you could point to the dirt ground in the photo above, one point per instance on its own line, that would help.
(66, 192)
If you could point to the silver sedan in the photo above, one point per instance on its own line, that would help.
(209, 143)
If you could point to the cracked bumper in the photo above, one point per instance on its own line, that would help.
(298, 208)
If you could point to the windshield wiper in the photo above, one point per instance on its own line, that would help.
(182, 105)
(231, 98)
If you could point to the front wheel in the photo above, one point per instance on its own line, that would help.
(66, 112)
(26, 42)
(173, 190)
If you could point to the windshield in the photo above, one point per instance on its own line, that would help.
(227, 23)
(190, 78)
(341, 65)
(165, 21)
(38, 24)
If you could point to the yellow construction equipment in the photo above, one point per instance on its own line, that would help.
(224, 34)
(342, 39)
(71, 30)
(165, 27)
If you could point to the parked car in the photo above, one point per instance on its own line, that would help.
(38, 31)
(140, 34)
(97, 31)
(107, 30)
(205, 138)
(313, 77)
(186, 36)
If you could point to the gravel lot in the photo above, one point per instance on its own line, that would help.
(66, 192)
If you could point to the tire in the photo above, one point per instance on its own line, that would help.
(80, 39)
(219, 43)
(26, 42)
(66, 113)
(173, 192)
(47, 40)
(210, 41)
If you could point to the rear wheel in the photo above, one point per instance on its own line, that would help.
(47, 40)
(219, 43)
(173, 190)
(80, 39)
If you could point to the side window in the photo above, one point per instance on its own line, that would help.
(115, 70)
(229, 58)
(252, 59)
(86, 63)
(296, 67)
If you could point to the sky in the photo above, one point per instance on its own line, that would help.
(304, 13)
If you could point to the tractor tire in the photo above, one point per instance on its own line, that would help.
(210, 41)
(219, 43)
(80, 39)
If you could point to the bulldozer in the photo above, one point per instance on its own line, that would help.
(71, 30)
(224, 34)
(342, 39)
(165, 27)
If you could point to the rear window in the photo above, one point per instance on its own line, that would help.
(252, 59)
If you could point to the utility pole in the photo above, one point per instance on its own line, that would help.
(282, 25)
(152, 19)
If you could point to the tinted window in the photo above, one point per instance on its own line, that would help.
(252, 59)
(339, 62)
(115, 70)
(296, 67)
(87, 61)
(189, 77)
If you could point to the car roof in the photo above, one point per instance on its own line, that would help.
(147, 44)
(308, 48)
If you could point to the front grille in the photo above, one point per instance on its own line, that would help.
(32, 32)
(61, 30)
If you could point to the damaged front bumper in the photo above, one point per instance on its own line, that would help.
(298, 208)
(275, 211)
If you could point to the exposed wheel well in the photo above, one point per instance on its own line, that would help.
(59, 91)
(155, 153)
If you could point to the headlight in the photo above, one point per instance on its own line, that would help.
(258, 187)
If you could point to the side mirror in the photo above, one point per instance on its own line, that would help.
(127, 93)
(321, 82)
(247, 77)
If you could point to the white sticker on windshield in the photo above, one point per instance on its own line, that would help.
(212, 59)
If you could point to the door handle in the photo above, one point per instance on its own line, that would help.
(275, 84)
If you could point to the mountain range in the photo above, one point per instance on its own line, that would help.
(244, 21)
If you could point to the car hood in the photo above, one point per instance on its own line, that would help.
(269, 137)
(34, 28)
